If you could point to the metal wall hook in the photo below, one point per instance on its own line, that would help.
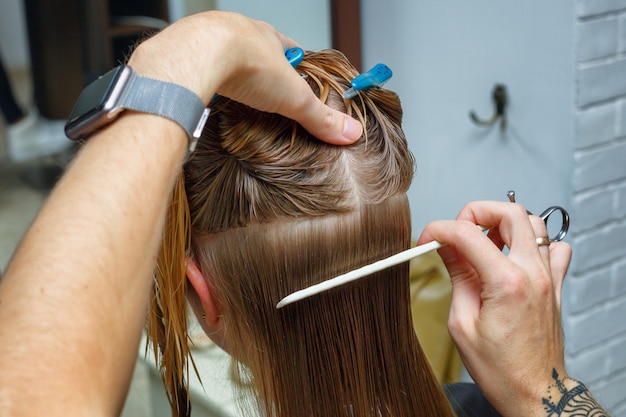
(500, 100)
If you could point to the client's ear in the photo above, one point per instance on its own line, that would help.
(210, 313)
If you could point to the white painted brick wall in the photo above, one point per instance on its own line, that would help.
(598, 325)
(590, 209)
(589, 290)
(619, 207)
(593, 364)
(598, 248)
(595, 290)
(611, 393)
(596, 125)
(622, 34)
(598, 38)
(617, 355)
(602, 81)
(618, 283)
(621, 117)
(600, 166)
(588, 8)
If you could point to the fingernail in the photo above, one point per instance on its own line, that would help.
(352, 129)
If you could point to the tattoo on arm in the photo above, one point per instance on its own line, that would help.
(570, 398)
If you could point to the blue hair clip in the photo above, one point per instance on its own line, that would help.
(294, 56)
(375, 77)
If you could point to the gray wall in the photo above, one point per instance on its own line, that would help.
(13, 38)
(308, 22)
(446, 57)
(565, 62)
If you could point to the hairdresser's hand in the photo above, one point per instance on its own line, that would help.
(243, 59)
(505, 313)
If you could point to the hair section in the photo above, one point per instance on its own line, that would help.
(272, 210)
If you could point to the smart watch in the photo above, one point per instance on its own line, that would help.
(121, 88)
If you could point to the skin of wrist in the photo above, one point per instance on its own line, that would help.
(156, 137)
(567, 397)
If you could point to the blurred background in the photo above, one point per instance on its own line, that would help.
(545, 82)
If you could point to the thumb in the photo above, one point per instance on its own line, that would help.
(329, 125)
(320, 120)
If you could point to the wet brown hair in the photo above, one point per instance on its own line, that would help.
(272, 210)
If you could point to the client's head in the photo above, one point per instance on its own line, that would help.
(272, 210)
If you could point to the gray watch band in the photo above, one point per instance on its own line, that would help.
(166, 99)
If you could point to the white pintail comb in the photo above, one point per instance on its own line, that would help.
(355, 274)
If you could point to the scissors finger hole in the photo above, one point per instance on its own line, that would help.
(557, 230)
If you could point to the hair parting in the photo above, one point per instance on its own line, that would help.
(267, 209)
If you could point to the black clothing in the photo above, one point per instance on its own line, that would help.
(8, 105)
(468, 401)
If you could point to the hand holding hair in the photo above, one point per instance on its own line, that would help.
(243, 59)
(74, 295)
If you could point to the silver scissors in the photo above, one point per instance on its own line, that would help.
(546, 215)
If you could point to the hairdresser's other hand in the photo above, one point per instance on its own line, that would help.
(505, 313)
(242, 59)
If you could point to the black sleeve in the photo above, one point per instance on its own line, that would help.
(468, 401)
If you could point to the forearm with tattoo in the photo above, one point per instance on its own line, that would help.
(570, 398)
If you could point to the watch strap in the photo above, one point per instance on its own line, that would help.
(166, 99)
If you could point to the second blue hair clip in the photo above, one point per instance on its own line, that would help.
(373, 78)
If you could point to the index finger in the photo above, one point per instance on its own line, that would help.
(510, 219)
(469, 243)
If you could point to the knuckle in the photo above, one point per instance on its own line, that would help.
(544, 286)
(518, 210)
(538, 225)
(517, 285)
(455, 326)
(469, 207)
(328, 120)
(466, 228)
(522, 286)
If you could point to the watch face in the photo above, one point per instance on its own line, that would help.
(94, 105)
